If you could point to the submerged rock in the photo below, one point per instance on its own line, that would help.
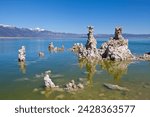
(48, 72)
(35, 90)
(42, 92)
(39, 75)
(57, 75)
(61, 96)
(22, 79)
(101, 95)
(115, 87)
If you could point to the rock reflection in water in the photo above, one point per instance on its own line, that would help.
(22, 67)
(90, 69)
(116, 68)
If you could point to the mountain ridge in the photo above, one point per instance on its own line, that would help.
(12, 31)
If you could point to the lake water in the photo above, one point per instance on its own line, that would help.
(23, 81)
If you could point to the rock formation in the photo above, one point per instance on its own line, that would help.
(89, 51)
(48, 82)
(51, 46)
(115, 87)
(116, 48)
(77, 47)
(146, 56)
(21, 54)
(118, 33)
(72, 86)
(41, 54)
(55, 49)
(91, 42)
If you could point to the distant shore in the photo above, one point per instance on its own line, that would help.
(42, 37)
(67, 37)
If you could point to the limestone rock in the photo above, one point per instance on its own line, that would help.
(61, 96)
(146, 56)
(52, 48)
(91, 42)
(41, 54)
(48, 72)
(77, 47)
(80, 86)
(116, 49)
(118, 33)
(72, 86)
(21, 54)
(35, 89)
(48, 82)
(115, 87)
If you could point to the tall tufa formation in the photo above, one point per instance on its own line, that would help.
(91, 42)
(118, 33)
(22, 54)
(115, 49)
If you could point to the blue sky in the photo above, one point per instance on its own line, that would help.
(74, 15)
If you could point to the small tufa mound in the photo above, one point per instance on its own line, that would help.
(77, 47)
(55, 49)
(72, 86)
(48, 82)
(41, 54)
(146, 56)
(115, 87)
(51, 46)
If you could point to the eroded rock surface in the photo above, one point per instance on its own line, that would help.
(115, 87)
(22, 54)
(72, 86)
(115, 48)
(52, 48)
(48, 82)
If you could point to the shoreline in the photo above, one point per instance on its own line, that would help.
(42, 37)
(66, 37)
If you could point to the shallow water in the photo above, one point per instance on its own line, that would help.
(25, 81)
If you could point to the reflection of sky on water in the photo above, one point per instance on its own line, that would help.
(65, 67)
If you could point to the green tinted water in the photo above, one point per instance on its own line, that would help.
(20, 81)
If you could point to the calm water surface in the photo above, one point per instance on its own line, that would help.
(19, 81)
